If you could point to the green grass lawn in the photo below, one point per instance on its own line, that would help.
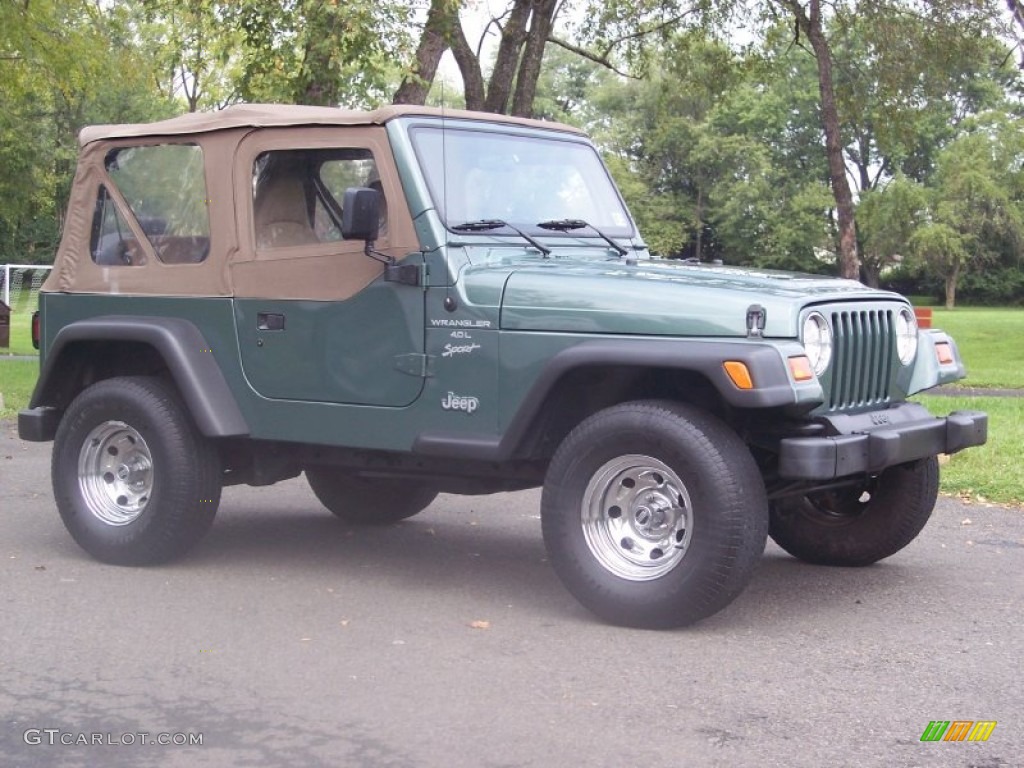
(991, 342)
(17, 379)
(21, 336)
(990, 472)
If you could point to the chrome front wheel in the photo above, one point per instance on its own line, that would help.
(637, 517)
(654, 514)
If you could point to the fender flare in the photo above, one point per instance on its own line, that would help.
(183, 348)
(705, 356)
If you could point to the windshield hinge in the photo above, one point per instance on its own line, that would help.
(406, 274)
(415, 364)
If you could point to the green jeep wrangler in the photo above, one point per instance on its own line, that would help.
(406, 302)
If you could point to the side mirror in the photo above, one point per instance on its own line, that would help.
(360, 214)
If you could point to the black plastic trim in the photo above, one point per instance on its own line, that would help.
(183, 349)
(869, 443)
(767, 368)
(38, 425)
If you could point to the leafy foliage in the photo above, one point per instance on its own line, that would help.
(317, 52)
(63, 65)
(887, 219)
(976, 215)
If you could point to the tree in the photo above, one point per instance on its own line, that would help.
(902, 93)
(192, 44)
(62, 66)
(949, 22)
(320, 52)
(659, 128)
(511, 88)
(810, 22)
(717, 154)
(524, 29)
(976, 214)
(945, 252)
(781, 216)
(888, 218)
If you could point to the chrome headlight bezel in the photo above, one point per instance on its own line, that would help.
(906, 336)
(816, 336)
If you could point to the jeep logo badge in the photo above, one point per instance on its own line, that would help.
(459, 403)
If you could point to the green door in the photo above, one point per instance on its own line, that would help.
(362, 350)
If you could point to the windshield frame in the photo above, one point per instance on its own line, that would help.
(438, 170)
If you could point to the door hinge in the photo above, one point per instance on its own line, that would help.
(415, 364)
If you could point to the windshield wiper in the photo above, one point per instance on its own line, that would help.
(479, 226)
(485, 225)
(566, 225)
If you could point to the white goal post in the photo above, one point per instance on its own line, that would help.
(19, 285)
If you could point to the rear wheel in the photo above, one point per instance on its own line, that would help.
(859, 525)
(368, 501)
(135, 481)
(654, 514)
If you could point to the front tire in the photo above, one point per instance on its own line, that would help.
(135, 481)
(654, 514)
(366, 501)
(860, 525)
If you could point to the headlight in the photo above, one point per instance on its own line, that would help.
(906, 336)
(817, 340)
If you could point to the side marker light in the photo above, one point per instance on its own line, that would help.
(739, 374)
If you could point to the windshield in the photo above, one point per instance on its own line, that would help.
(523, 180)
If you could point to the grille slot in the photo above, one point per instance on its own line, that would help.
(862, 362)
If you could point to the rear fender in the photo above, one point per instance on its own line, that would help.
(180, 345)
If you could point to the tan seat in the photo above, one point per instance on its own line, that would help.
(280, 213)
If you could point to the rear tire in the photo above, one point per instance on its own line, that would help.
(365, 501)
(135, 481)
(862, 525)
(654, 514)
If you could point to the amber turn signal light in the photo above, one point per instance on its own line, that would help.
(800, 368)
(738, 374)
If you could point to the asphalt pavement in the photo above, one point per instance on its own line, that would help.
(287, 638)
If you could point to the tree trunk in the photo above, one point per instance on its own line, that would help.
(809, 22)
(872, 275)
(513, 36)
(313, 88)
(469, 66)
(1017, 12)
(699, 213)
(416, 86)
(533, 56)
(952, 278)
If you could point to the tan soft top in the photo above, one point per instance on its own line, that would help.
(266, 115)
(235, 263)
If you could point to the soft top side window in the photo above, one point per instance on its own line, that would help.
(298, 193)
(112, 243)
(165, 188)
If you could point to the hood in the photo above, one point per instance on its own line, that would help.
(655, 297)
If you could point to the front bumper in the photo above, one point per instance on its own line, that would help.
(867, 443)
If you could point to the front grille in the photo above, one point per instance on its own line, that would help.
(862, 358)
